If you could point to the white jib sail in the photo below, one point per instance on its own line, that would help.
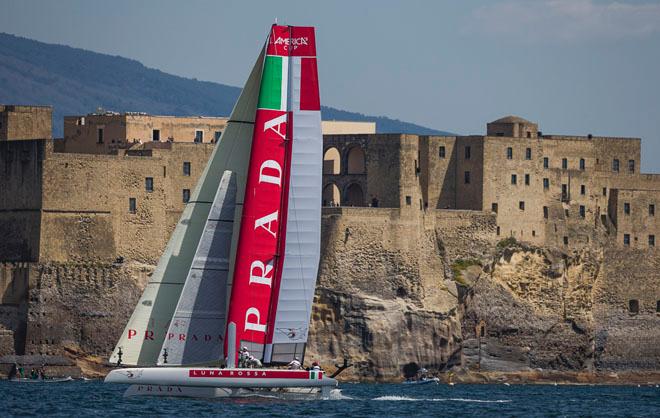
(141, 341)
(196, 332)
(303, 229)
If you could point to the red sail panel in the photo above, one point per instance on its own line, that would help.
(262, 231)
(309, 85)
(295, 41)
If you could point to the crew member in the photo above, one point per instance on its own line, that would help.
(295, 364)
(316, 367)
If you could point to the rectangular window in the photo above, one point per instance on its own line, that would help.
(631, 166)
(582, 211)
(626, 239)
(565, 240)
(582, 164)
(615, 165)
(467, 177)
(149, 184)
(99, 136)
(442, 152)
(132, 205)
(186, 168)
(564, 192)
(216, 136)
(186, 195)
(626, 208)
(604, 191)
(199, 136)
(651, 240)
(467, 153)
(564, 163)
(651, 210)
(408, 200)
(546, 162)
(514, 179)
(583, 189)
(526, 179)
(493, 207)
(509, 153)
(545, 212)
(546, 183)
(521, 205)
(528, 154)
(155, 135)
(498, 231)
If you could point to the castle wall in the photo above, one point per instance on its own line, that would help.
(25, 122)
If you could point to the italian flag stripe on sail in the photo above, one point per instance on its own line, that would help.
(273, 93)
(315, 375)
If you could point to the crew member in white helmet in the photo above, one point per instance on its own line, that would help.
(316, 367)
(295, 364)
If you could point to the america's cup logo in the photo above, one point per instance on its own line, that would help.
(293, 42)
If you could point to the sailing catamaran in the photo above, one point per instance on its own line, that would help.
(240, 267)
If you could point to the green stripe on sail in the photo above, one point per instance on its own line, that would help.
(270, 95)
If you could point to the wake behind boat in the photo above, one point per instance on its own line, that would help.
(240, 268)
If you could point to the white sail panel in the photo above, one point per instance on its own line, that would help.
(303, 227)
(196, 332)
(141, 341)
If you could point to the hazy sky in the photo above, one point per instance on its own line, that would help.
(573, 66)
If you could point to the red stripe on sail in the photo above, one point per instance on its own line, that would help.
(309, 85)
(301, 43)
(277, 279)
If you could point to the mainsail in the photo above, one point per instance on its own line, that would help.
(282, 205)
(142, 339)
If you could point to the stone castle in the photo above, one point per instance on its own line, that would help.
(85, 218)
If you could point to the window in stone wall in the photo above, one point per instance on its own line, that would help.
(493, 207)
(564, 163)
(615, 165)
(527, 180)
(521, 205)
(633, 306)
(651, 210)
(565, 240)
(582, 164)
(186, 195)
(626, 208)
(546, 162)
(149, 184)
(498, 231)
(583, 189)
(582, 211)
(657, 306)
(631, 166)
(533, 233)
(216, 136)
(514, 179)
(604, 191)
(99, 135)
(528, 153)
(626, 239)
(509, 153)
(199, 136)
(132, 205)
(467, 152)
(467, 177)
(164, 171)
(155, 135)
(546, 183)
(442, 151)
(408, 200)
(651, 240)
(186, 168)
(564, 193)
(545, 212)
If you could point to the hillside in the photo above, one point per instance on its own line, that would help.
(75, 81)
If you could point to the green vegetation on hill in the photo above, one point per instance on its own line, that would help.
(75, 81)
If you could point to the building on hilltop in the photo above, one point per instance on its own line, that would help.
(121, 200)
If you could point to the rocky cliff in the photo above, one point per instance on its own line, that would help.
(395, 293)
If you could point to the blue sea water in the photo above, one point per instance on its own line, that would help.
(93, 398)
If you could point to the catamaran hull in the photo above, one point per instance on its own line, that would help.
(220, 378)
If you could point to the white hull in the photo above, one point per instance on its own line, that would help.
(213, 377)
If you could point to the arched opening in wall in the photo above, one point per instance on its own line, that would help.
(353, 196)
(633, 306)
(356, 163)
(410, 370)
(331, 195)
(331, 161)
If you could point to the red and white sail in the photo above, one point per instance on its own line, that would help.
(278, 248)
